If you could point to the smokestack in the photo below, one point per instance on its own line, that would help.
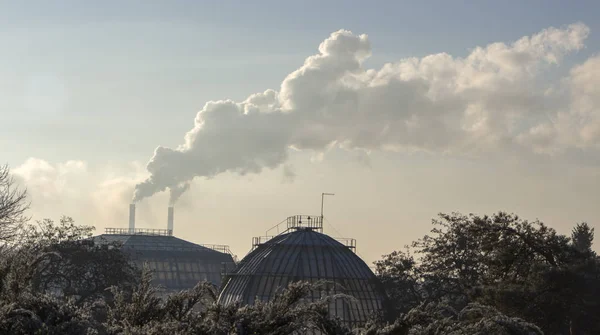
(170, 220)
(131, 218)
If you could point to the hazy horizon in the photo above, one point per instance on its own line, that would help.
(402, 110)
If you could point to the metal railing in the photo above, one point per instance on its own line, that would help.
(218, 247)
(348, 242)
(166, 232)
(305, 221)
(258, 240)
(138, 231)
(299, 222)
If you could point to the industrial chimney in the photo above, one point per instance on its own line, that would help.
(131, 218)
(170, 221)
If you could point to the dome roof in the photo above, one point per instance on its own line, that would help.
(306, 255)
(177, 264)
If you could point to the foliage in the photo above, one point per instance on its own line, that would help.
(44, 314)
(69, 263)
(582, 237)
(521, 268)
(400, 277)
(473, 319)
(441, 319)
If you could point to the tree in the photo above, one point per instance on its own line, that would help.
(582, 237)
(399, 274)
(441, 319)
(80, 268)
(522, 268)
(13, 204)
(44, 314)
(61, 259)
(142, 308)
(472, 319)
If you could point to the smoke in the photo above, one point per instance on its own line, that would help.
(437, 103)
(177, 191)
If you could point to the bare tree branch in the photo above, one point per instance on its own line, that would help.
(13, 205)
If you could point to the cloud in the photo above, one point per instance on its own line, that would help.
(585, 81)
(577, 124)
(487, 100)
(46, 181)
(100, 195)
(362, 157)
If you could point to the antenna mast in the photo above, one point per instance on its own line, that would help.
(322, 200)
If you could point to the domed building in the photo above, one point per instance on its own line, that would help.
(177, 264)
(303, 253)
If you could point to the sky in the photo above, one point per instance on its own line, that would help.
(403, 109)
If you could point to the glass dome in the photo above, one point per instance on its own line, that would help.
(177, 264)
(305, 254)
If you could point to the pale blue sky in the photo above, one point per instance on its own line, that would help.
(108, 81)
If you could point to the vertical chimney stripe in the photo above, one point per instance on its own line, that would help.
(170, 220)
(131, 218)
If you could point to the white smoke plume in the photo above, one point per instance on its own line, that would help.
(177, 191)
(437, 103)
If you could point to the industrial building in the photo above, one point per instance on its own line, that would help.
(303, 253)
(177, 264)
